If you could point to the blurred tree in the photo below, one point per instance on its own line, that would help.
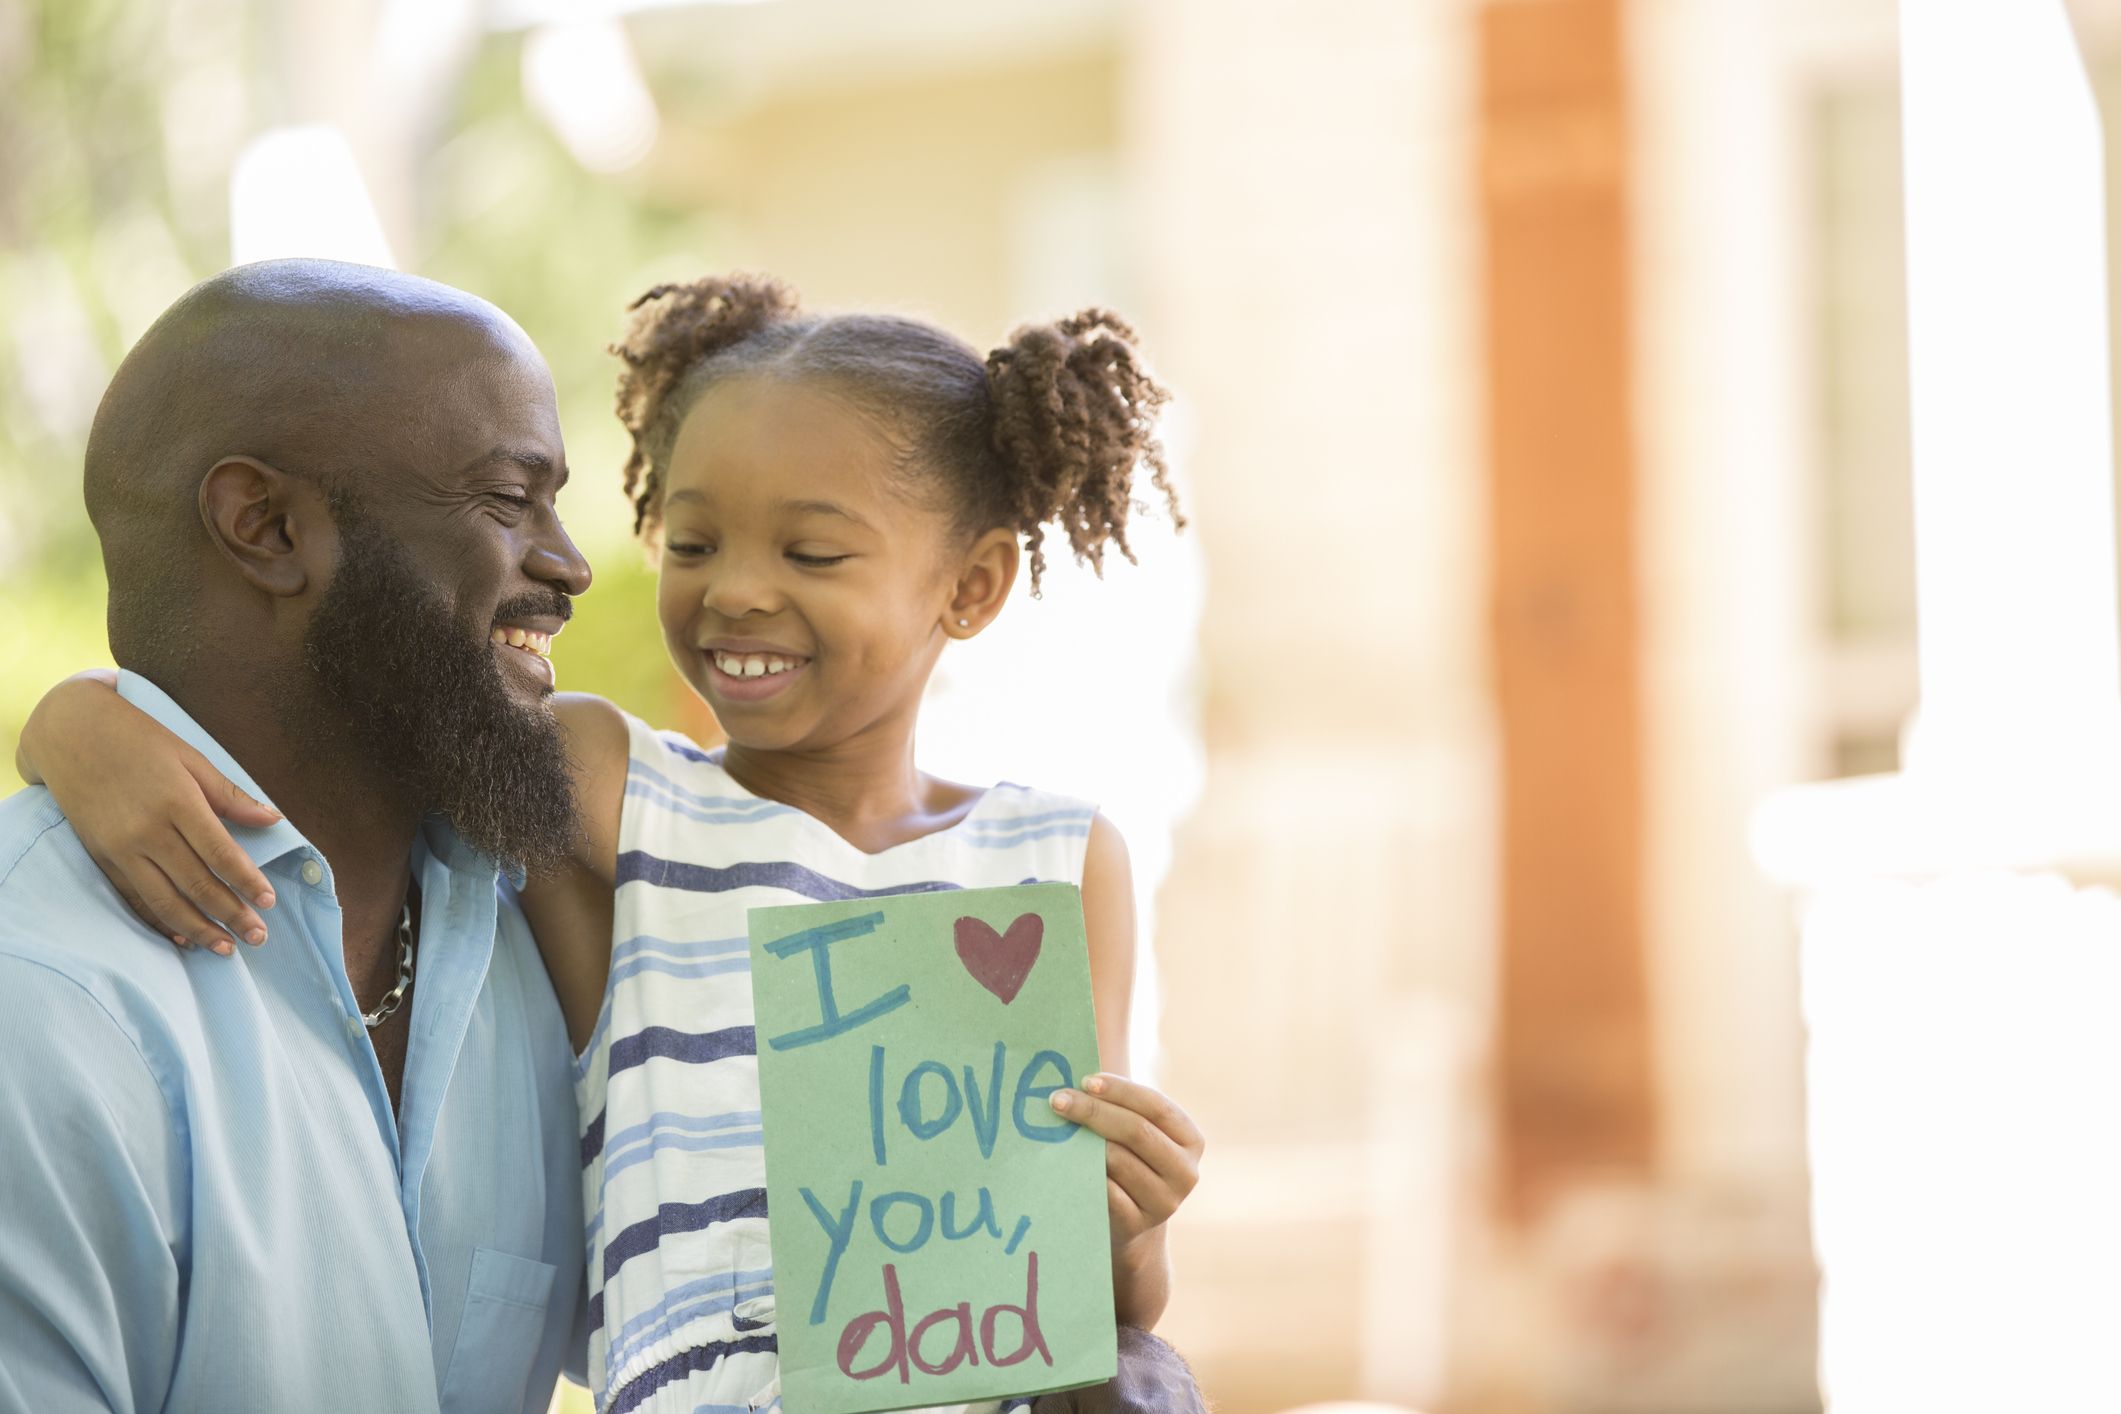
(94, 240)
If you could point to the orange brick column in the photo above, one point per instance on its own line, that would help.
(1576, 1083)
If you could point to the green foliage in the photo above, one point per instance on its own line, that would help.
(52, 627)
(94, 239)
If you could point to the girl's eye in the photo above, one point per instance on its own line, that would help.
(816, 562)
(686, 549)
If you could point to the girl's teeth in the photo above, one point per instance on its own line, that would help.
(753, 665)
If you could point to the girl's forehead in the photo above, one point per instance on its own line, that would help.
(776, 423)
(773, 441)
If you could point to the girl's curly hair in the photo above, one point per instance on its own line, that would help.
(1047, 430)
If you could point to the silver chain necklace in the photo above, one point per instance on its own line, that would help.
(396, 994)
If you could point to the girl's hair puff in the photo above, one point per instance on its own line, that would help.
(1047, 430)
(1075, 414)
(672, 331)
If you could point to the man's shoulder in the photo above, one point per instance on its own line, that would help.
(62, 924)
(26, 817)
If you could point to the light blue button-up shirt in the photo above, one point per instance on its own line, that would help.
(205, 1200)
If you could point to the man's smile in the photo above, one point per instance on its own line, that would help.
(529, 646)
(528, 639)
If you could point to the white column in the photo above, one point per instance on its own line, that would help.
(2013, 463)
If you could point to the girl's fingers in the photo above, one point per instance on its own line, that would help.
(201, 837)
(1126, 1216)
(206, 837)
(228, 800)
(1153, 1198)
(177, 918)
(1153, 1105)
(130, 896)
(181, 863)
(1178, 1166)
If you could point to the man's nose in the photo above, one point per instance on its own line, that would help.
(553, 559)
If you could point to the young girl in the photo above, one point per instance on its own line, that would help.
(835, 499)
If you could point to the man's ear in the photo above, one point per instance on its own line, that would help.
(271, 526)
(984, 579)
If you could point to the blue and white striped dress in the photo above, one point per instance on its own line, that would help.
(681, 1308)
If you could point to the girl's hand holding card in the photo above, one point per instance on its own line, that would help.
(1152, 1149)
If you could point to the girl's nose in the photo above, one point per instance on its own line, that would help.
(735, 590)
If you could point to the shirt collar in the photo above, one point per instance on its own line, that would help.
(276, 841)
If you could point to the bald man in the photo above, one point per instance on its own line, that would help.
(340, 1172)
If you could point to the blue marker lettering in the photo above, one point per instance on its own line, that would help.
(1058, 1132)
(876, 1103)
(913, 1114)
(983, 1218)
(815, 941)
(987, 1118)
(839, 1232)
(882, 1207)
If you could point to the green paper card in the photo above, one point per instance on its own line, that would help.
(939, 1234)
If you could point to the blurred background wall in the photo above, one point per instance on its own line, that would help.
(1542, 417)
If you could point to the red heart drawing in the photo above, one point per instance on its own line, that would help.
(1000, 961)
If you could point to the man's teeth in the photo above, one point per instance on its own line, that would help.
(754, 665)
(526, 639)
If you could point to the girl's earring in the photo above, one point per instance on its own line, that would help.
(964, 623)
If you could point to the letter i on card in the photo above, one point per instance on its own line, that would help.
(940, 1235)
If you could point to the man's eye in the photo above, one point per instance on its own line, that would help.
(514, 498)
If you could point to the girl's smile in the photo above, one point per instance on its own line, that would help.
(744, 670)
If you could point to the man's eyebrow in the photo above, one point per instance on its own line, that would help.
(528, 458)
(822, 508)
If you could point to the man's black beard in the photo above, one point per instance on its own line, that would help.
(419, 691)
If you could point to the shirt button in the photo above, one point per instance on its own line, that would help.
(312, 872)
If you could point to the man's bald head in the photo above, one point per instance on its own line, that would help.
(315, 367)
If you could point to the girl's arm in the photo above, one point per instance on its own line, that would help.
(1152, 1149)
(570, 911)
(144, 805)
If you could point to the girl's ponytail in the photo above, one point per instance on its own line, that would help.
(671, 330)
(1074, 415)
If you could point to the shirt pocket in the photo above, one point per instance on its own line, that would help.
(498, 1339)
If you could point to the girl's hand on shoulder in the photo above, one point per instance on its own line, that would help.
(148, 809)
(1152, 1149)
